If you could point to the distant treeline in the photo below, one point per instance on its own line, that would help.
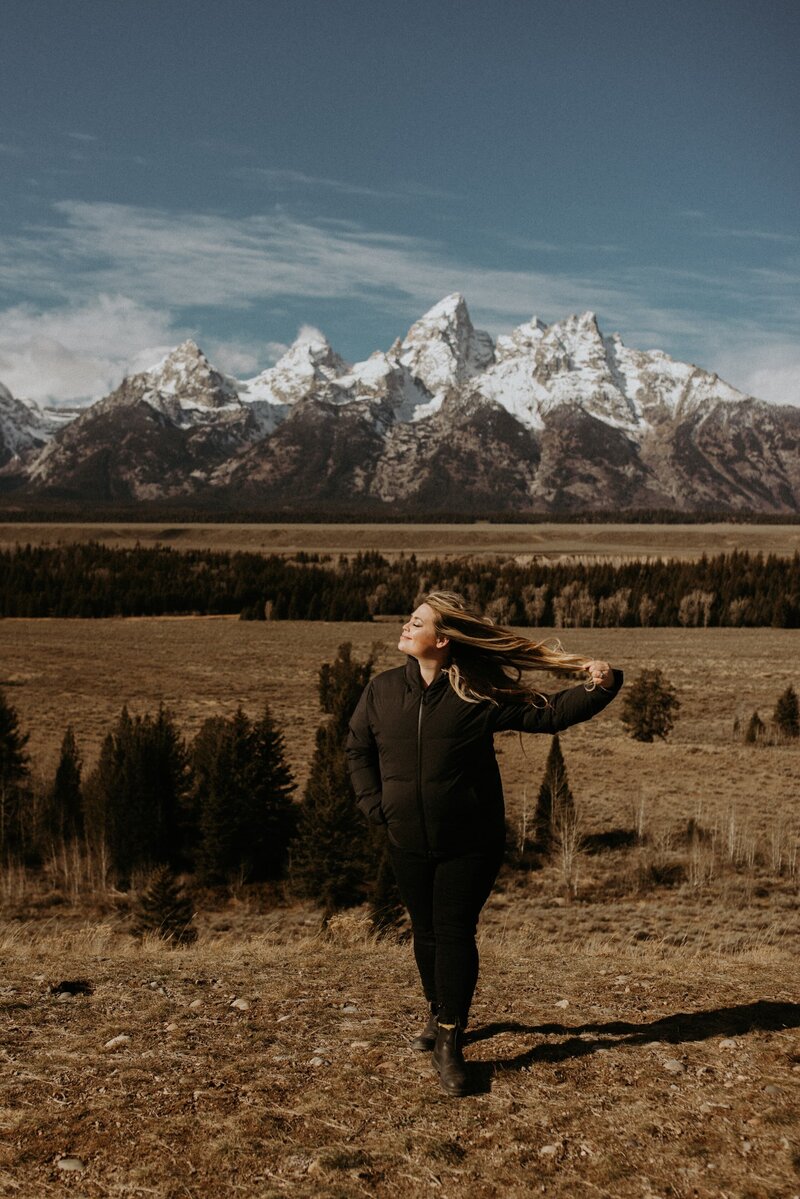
(736, 589)
(157, 511)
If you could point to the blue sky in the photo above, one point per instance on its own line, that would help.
(234, 171)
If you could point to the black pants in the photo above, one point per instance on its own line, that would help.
(444, 898)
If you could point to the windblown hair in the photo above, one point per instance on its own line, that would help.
(487, 661)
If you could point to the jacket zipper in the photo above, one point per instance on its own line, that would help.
(420, 803)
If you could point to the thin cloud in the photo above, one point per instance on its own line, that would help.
(166, 265)
(201, 260)
(706, 228)
(550, 247)
(290, 180)
(287, 180)
(755, 235)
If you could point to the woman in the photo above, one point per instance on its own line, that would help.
(422, 761)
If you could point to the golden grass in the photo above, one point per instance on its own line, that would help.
(741, 886)
(550, 540)
(83, 671)
(603, 1070)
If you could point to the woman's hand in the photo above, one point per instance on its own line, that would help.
(601, 672)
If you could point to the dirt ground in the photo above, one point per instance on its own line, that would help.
(649, 1073)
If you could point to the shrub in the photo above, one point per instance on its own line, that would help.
(756, 730)
(649, 706)
(786, 716)
(165, 909)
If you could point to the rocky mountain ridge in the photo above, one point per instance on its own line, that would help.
(546, 418)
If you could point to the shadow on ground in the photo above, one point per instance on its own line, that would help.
(764, 1015)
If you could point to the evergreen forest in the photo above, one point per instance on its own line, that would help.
(735, 589)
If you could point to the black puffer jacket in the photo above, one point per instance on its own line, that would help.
(422, 760)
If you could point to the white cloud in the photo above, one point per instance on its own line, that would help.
(80, 352)
(275, 350)
(232, 357)
(768, 369)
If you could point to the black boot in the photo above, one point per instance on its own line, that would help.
(449, 1060)
(427, 1038)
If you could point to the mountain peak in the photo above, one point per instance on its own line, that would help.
(23, 426)
(579, 322)
(310, 356)
(309, 362)
(443, 349)
(185, 357)
(452, 305)
(186, 372)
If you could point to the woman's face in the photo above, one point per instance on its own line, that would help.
(419, 637)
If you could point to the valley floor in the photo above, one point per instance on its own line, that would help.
(552, 540)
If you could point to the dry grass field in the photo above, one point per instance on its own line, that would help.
(545, 540)
(634, 1034)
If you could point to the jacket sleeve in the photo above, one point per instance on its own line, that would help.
(362, 761)
(563, 709)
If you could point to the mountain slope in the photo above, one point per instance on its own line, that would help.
(154, 437)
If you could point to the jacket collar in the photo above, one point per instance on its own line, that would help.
(414, 677)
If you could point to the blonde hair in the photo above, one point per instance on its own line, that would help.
(487, 661)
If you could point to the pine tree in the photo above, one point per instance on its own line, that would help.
(242, 798)
(14, 774)
(333, 857)
(273, 815)
(66, 796)
(217, 757)
(786, 716)
(165, 909)
(136, 796)
(555, 802)
(649, 706)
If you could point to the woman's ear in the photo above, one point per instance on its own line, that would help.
(441, 642)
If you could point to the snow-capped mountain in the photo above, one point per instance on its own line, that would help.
(307, 366)
(551, 417)
(24, 428)
(443, 350)
(158, 434)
